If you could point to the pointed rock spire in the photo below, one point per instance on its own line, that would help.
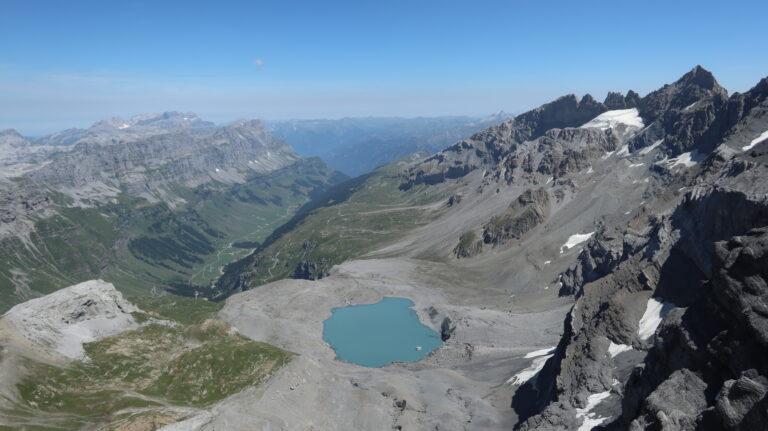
(632, 99)
(694, 86)
(700, 77)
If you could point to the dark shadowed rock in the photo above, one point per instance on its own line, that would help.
(524, 214)
(311, 270)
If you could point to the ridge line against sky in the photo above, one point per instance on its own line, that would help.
(69, 64)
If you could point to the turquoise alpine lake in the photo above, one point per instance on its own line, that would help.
(374, 335)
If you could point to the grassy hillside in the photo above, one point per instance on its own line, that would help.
(351, 219)
(132, 377)
(144, 247)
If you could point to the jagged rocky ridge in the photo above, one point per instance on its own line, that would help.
(668, 330)
(692, 112)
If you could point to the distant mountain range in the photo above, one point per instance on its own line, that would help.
(358, 145)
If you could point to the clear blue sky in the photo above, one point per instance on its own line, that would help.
(70, 63)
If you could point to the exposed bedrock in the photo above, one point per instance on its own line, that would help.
(311, 270)
(526, 212)
(670, 328)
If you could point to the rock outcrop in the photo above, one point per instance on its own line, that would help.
(525, 213)
(311, 270)
(669, 328)
(59, 323)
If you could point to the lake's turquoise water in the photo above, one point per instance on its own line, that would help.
(375, 335)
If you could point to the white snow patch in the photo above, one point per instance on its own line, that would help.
(590, 422)
(688, 159)
(690, 106)
(655, 311)
(62, 321)
(124, 126)
(590, 170)
(614, 349)
(627, 213)
(623, 151)
(610, 119)
(763, 136)
(547, 262)
(217, 169)
(590, 419)
(575, 240)
(542, 352)
(650, 148)
(634, 165)
(532, 371)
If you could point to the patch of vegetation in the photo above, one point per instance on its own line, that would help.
(218, 368)
(468, 245)
(139, 245)
(152, 366)
(246, 244)
(181, 309)
(140, 316)
(72, 246)
(349, 220)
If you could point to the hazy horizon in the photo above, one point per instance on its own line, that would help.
(70, 65)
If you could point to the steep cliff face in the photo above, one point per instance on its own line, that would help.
(149, 166)
(668, 330)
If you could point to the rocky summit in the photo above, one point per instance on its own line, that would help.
(585, 264)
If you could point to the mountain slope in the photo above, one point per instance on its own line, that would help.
(162, 208)
(84, 357)
(491, 246)
(675, 306)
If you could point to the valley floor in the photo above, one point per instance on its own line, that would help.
(460, 386)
